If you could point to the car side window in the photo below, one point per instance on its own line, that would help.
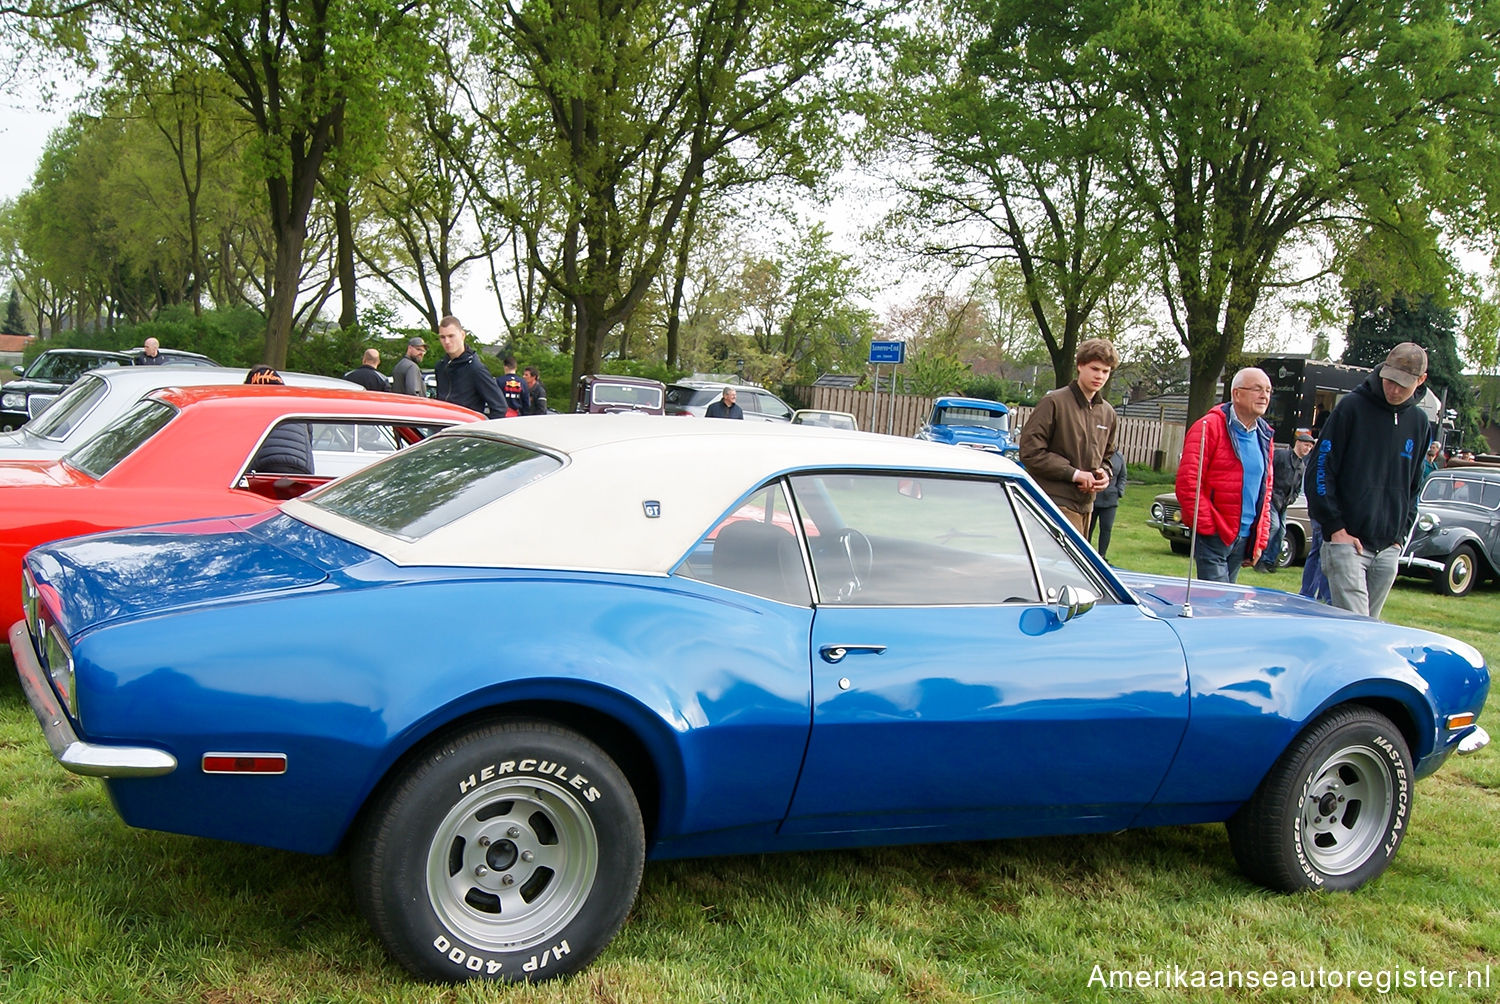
(766, 404)
(754, 550)
(1056, 563)
(906, 540)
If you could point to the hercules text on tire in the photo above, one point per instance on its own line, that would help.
(1332, 811)
(513, 851)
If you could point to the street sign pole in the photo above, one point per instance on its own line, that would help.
(893, 352)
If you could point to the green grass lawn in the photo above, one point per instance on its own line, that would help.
(93, 911)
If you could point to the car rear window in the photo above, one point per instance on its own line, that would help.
(64, 414)
(119, 439)
(418, 490)
(683, 397)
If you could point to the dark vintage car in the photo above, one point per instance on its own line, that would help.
(607, 394)
(1456, 540)
(48, 376)
(1166, 516)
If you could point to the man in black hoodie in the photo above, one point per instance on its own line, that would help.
(1363, 481)
(461, 377)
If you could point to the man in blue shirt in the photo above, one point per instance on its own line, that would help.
(1224, 479)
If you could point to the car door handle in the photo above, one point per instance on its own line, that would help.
(835, 653)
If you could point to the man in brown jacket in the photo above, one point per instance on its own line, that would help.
(1067, 441)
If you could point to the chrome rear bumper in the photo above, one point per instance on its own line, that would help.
(91, 759)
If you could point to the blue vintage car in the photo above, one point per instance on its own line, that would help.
(971, 422)
(508, 665)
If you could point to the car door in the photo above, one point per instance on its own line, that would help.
(952, 697)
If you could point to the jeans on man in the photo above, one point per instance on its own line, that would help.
(1314, 582)
(1270, 558)
(1216, 561)
(1358, 578)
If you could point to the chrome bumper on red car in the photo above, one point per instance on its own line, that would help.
(74, 754)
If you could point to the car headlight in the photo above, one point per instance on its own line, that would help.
(1428, 521)
(1157, 511)
(60, 666)
(15, 401)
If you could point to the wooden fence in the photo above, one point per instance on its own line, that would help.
(1153, 442)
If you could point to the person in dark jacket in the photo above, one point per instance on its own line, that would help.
(1362, 484)
(1286, 485)
(725, 407)
(461, 377)
(517, 397)
(287, 449)
(368, 374)
(1070, 435)
(151, 354)
(536, 389)
(1107, 503)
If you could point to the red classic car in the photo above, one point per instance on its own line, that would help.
(182, 453)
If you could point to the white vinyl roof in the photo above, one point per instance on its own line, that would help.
(591, 514)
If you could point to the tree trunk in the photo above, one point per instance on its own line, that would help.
(344, 224)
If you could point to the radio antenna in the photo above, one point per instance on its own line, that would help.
(1187, 596)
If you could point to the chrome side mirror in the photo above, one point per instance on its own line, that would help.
(1075, 601)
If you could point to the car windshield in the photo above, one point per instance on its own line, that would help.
(826, 419)
(629, 394)
(65, 367)
(70, 408)
(981, 417)
(119, 439)
(416, 491)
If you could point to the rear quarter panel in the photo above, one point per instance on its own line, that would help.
(346, 678)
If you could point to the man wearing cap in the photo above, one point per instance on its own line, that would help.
(406, 378)
(1286, 484)
(1363, 481)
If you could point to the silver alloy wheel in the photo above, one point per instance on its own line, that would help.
(512, 863)
(1346, 810)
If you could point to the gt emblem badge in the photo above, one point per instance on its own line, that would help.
(653, 509)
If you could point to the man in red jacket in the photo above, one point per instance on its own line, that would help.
(1224, 479)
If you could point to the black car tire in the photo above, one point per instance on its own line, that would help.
(1460, 572)
(1333, 809)
(1291, 547)
(1179, 546)
(512, 851)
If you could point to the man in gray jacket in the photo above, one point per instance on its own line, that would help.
(406, 378)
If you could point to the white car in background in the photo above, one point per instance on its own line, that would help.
(99, 396)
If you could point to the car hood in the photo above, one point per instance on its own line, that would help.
(1165, 594)
(979, 435)
(132, 573)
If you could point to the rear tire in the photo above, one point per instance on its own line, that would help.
(1332, 811)
(1292, 546)
(512, 852)
(1459, 573)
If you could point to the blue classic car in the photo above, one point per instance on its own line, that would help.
(972, 422)
(641, 637)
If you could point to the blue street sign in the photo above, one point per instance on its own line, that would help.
(887, 352)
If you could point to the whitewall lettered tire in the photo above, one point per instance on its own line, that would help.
(512, 851)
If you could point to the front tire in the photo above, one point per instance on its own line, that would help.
(512, 851)
(1179, 546)
(1332, 811)
(1460, 572)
